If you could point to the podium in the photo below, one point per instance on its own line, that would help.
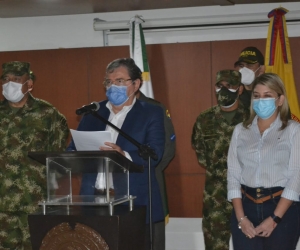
(88, 204)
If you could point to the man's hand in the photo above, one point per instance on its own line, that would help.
(112, 146)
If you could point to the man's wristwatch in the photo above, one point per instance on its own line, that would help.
(276, 218)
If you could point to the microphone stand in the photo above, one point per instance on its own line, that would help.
(145, 152)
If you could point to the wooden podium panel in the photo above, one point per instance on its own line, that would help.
(125, 230)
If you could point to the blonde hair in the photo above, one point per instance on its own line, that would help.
(273, 82)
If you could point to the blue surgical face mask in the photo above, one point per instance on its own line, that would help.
(264, 107)
(117, 95)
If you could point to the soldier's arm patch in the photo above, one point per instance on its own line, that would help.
(168, 114)
(173, 137)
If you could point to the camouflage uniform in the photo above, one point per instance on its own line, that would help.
(37, 126)
(210, 138)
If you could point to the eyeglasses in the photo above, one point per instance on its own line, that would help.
(118, 82)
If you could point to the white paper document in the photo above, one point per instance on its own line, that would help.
(90, 140)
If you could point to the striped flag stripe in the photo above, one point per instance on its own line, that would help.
(278, 57)
(139, 54)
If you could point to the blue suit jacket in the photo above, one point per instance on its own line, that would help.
(145, 123)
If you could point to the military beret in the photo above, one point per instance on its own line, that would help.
(17, 68)
(251, 55)
(233, 77)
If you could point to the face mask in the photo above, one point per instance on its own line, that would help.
(12, 91)
(227, 97)
(264, 107)
(248, 75)
(117, 95)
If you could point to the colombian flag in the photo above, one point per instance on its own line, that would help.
(278, 58)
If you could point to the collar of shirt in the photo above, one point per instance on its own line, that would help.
(117, 119)
(276, 124)
(125, 109)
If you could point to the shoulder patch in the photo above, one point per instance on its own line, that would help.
(168, 114)
(172, 137)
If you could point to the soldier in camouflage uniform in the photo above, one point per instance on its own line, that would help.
(210, 138)
(26, 124)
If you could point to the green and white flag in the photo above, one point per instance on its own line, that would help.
(139, 54)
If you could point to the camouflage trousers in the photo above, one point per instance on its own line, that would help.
(14, 231)
(216, 222)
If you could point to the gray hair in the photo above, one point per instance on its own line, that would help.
(133, 70)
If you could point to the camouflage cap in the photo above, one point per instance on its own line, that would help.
(16, 68)
(233, 77)
(251, 55)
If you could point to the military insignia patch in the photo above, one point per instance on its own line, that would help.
(168, 114)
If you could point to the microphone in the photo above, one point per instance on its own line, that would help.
(94, 106)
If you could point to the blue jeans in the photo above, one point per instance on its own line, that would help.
(285, 235)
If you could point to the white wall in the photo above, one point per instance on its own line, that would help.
(76, 31)
(187, 234)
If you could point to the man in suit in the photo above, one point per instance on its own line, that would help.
(142, 121)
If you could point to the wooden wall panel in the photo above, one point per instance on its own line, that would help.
(185, 194)
(226, 53)
(295, 51)
(183, 78)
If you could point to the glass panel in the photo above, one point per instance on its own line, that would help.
(58, 181)
(85, 181)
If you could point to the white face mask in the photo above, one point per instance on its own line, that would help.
(12, 91)
(231, 90)
(248, 75)
(229, 106)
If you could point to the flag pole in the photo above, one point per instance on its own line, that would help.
(139, 55)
